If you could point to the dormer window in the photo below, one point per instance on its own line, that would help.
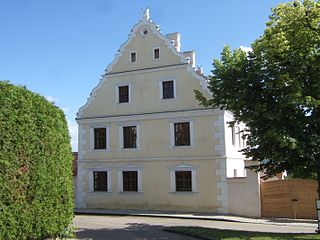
(156, 53)
(133, 57)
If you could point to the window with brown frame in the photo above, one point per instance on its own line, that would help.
(183, 181)
(167, 89)
(130, 137)
(130, 181)
(182, 134)
(100, 181)
(123, 94)
(100, 138)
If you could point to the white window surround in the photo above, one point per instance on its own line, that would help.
(120, 177)
(117, 93)
(153, 56)
(107, 127)
(171, 132)
(120, 134)
(161, 89)
(183, 167)
(130, 57)
(91, 183)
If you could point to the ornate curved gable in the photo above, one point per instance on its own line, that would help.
(146, 36)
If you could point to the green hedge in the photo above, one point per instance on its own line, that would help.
(36, 193)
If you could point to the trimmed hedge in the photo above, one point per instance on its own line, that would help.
(36, 193)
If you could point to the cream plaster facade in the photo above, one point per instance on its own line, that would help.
(211, 156)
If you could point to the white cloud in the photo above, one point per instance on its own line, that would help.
(73, 131)
(246, 49)
(51, 99)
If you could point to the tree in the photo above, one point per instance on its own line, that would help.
(275, 90)
(36, 198)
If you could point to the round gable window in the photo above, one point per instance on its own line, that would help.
(144, 32)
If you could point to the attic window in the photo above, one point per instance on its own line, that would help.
(156, 53)
(133, 57)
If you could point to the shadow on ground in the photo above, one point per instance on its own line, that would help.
(133, 231)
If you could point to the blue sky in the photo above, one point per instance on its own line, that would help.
(60, 48)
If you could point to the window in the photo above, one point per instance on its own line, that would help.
(100, 181)
(133, 57)
(183, 181)
(123, 94)
(156, 53)
(130, 181)
(235, 173)
(100, 138)
(167, 89)
(130, 137)
(239, 136)
(233, 135)
(182, 134)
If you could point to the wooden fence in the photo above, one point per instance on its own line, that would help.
(294, 198)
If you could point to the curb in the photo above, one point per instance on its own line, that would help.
(277, 222)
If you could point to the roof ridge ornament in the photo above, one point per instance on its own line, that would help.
(146, 14)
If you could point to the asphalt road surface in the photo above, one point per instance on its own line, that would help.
(152, 228)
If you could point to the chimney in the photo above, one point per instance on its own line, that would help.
(191, 55)
(175, 39)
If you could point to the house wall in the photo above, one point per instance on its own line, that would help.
(145, 88)
(154, 137)
(156, 188)
(155, 156)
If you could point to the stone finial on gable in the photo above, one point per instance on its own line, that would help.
(146, 14)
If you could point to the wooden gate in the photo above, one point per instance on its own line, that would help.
(294, 198)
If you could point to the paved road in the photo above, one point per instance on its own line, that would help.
(151, 228)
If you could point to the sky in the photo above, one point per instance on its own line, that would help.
(60, 48)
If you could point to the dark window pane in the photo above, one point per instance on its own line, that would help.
(123, 94)
(156, 53)
(100, 138)
(133, 57)
(183, 181)
(130, 137)
(130, 181)
(167, 89)
(100, 180)
(182, 134)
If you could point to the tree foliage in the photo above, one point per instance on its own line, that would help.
(275, 90)
(36, 199)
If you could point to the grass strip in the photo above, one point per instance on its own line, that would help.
(218, 234)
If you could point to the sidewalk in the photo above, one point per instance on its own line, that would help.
(201, 216)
